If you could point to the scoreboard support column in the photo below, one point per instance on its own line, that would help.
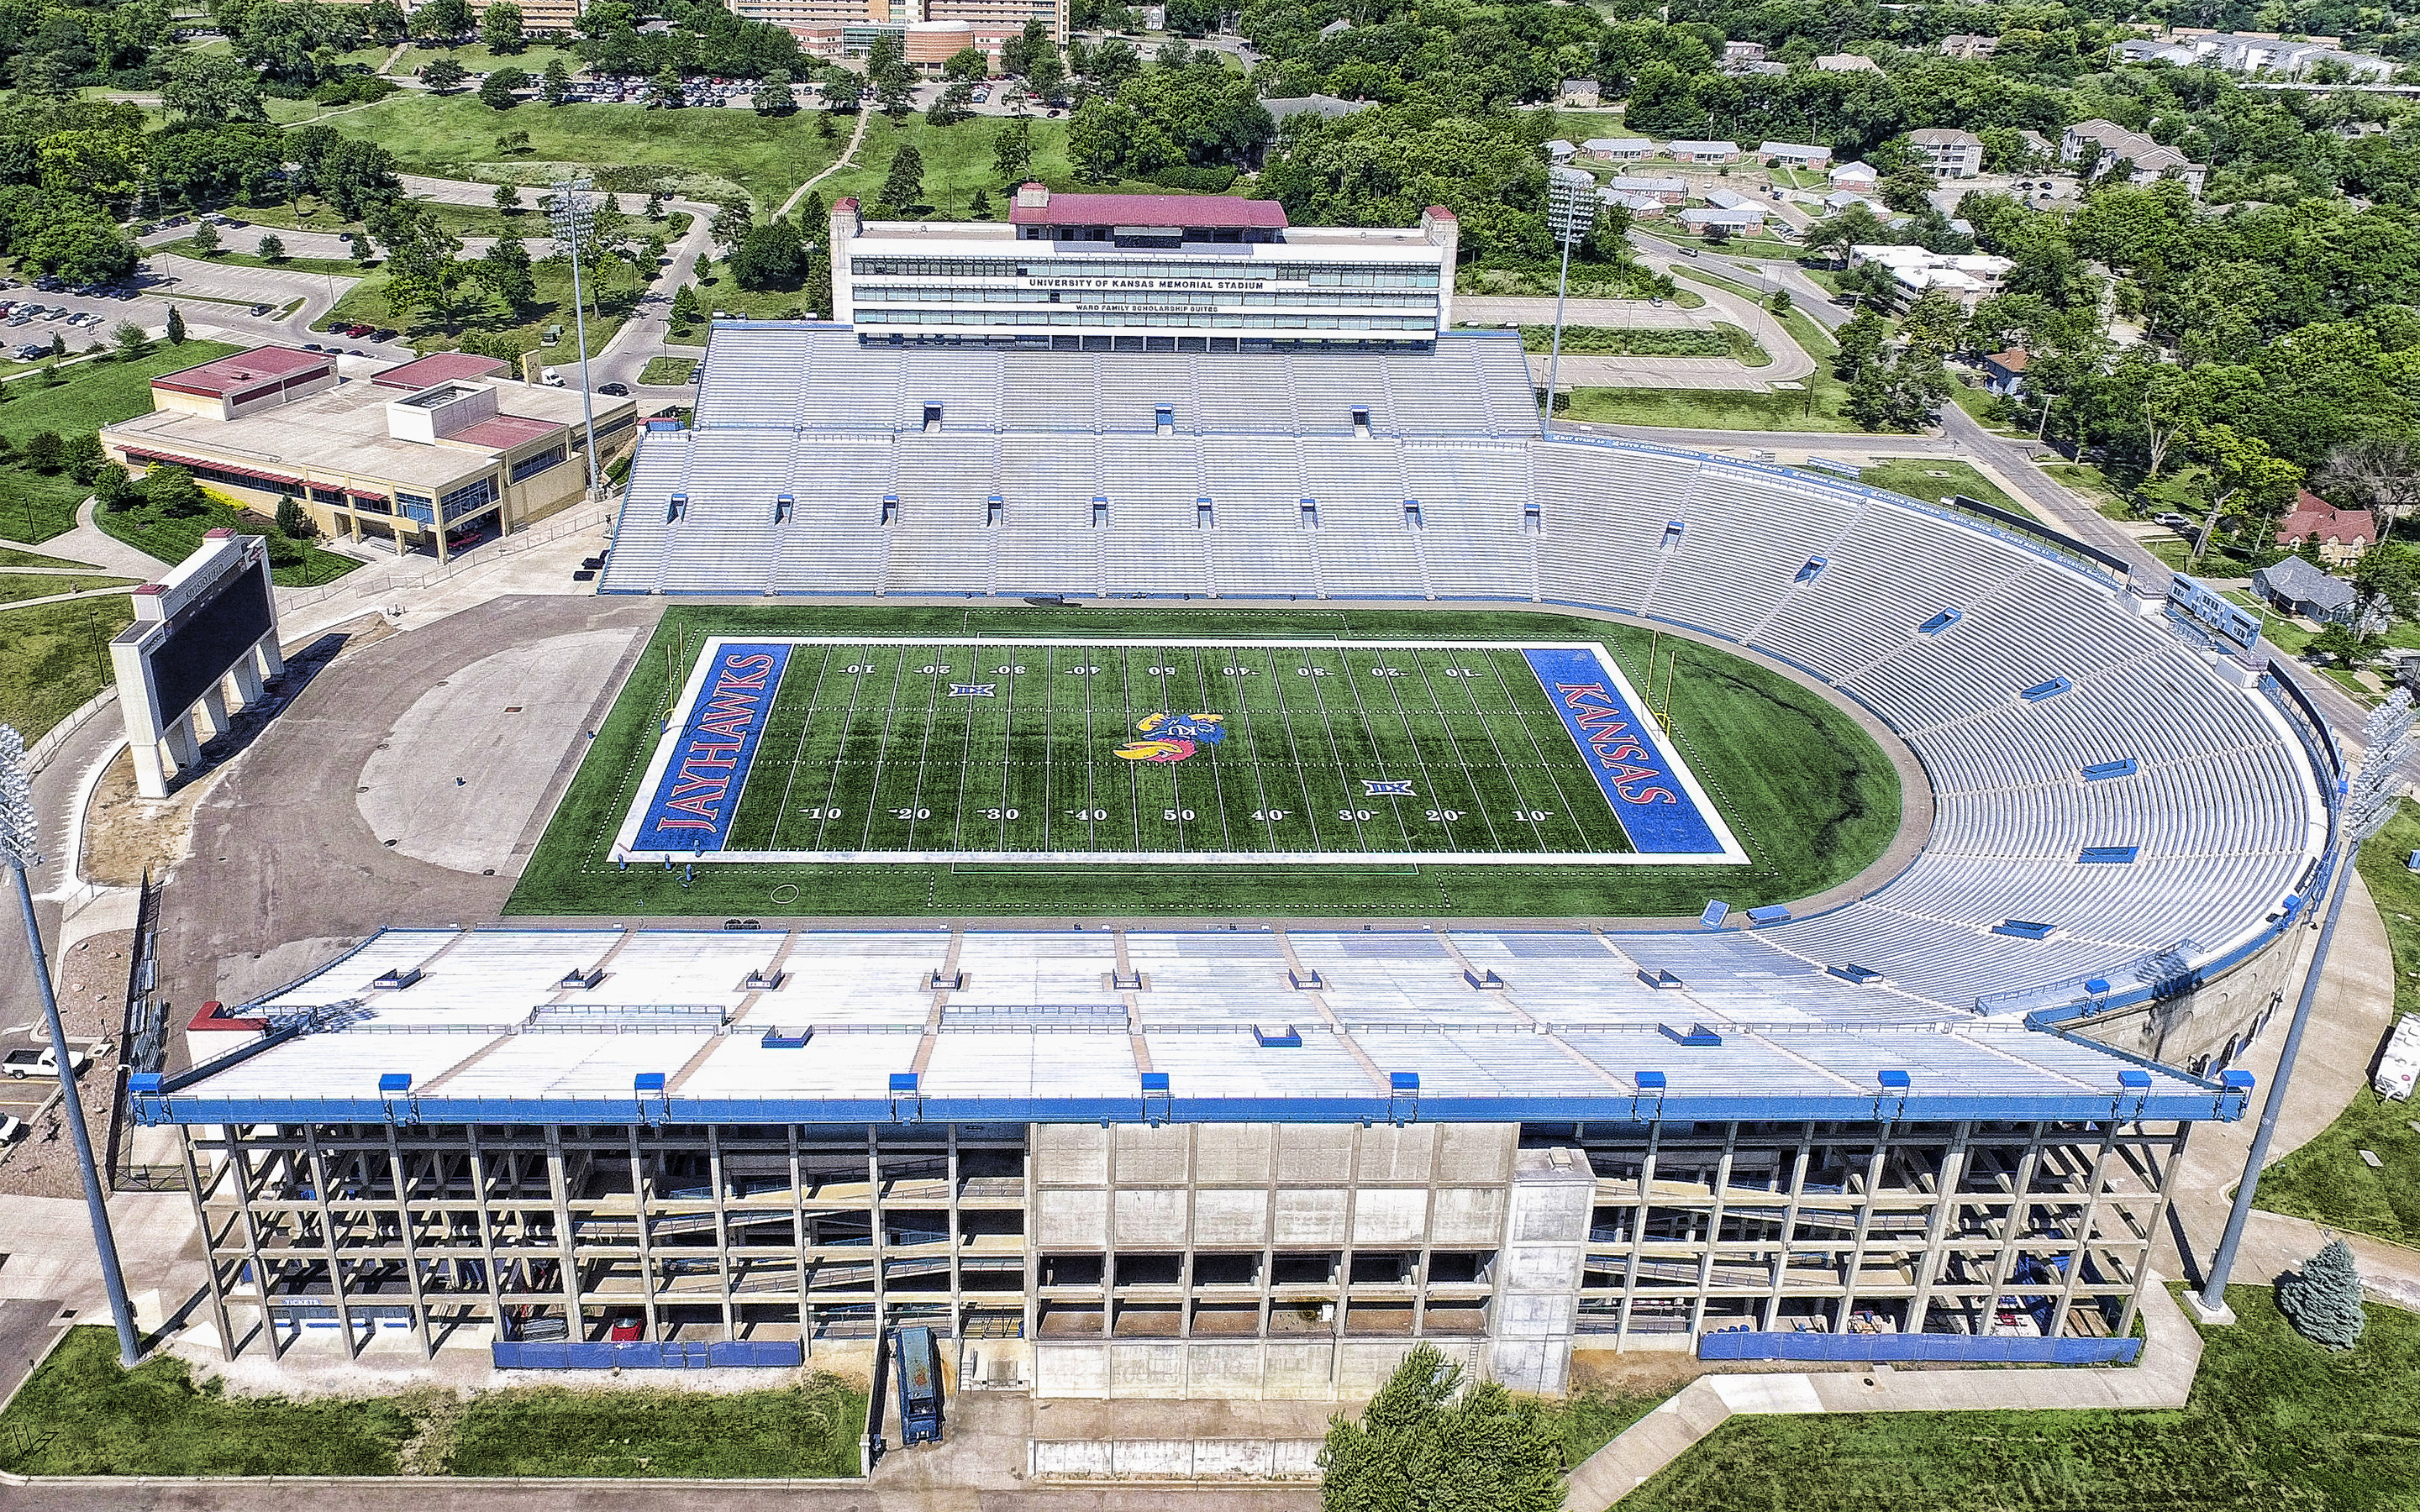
(211, 620)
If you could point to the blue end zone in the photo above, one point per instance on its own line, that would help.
(700, 787)
(1639, 781)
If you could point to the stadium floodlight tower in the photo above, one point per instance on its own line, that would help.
(1570, 215)
(575, 217)
(2370, 798)
(19, 846)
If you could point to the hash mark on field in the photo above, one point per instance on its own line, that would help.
(1294, 748)
(1252, 744)
(1454, 742)
(1429, 786)
(782, 809)
(840, 751)
(882, 749)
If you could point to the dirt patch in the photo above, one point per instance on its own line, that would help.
(92, 1004)
(125, 832)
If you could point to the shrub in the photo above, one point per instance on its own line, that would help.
(2323, 1302)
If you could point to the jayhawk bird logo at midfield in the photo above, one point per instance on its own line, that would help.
(1172, 737)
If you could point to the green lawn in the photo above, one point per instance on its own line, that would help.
(958, 160)
(531, 60)
(1809, 796)
(2083, 478)
(1980, 405)
(2274, 1423)
(1932, 478)
(1593, 1419)
(173, 538)
(805, 1432)
(704, 153)
(1815, 408)
(35, 506)
(1589, 281)
(56, 656)
(16, 587)
(668, 370)
(340, 266)
(2326, 1180)
(12, 558)
(83, 1415)
(1725, 340)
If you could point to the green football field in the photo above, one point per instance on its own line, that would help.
(1114, 749)
(1078, 761)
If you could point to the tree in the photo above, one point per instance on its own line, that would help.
(272, 248)
(902, 187)
(773, 97)
(176, 327)
(2323, 1302)
(504, 270)
(293, 522)
(2377, 473)
(1419, 1449)
(555, 88)
(1045, 73)
(45, 452)
(84, 457)
(1908, 191)
(952, 105)
(171, 491)
(665, 90)
(771, 256)
(500, 29)
(685, 311)
(969, 65)
(979, 205)
(131, 341)
(497, 91)
(842, 91)
(507, 198)
(444, 75)
(115, 488)
(2242, 473)
(211, 87)
(206, 238)
(2390, 571)
(1781, 303)
(1012, 152)
(1858, 345)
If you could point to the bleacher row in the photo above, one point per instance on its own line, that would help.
(2008, 667)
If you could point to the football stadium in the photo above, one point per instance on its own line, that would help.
(1195, 867)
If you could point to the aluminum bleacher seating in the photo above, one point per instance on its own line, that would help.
(2222, 810)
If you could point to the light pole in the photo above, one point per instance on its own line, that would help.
(1570, 214)
(574, 215)
(18, 842)
(2369, 801)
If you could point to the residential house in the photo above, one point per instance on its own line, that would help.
(1725, 199)
(1841, 199)
(2152, 160)
(2340, 534)
(1847, 63)
(1948, 154)
(1743, 52)
(1617, 148)
(2297, 587)
(2255, 52)
(1703, 152)
(1578, 94)
(1854, 176)
(1327, 107)
(1642, 207)
(1792, 155)
(1969, 278)
(1560, 151)
(1966, 46)
(1739, 222)
(2003, 373)
(1666, 191)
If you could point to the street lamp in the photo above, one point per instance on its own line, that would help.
(2369, 801)
(1570, 214)
(18, 847)
(574, 216)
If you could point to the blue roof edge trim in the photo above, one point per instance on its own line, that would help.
(2183, 1100)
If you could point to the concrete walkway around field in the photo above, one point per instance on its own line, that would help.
(2163, 1378)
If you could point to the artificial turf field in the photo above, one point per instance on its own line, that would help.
(1016, 801)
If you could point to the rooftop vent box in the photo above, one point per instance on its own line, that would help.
(1697, 1034)
(1486, 981)
(1306, 981)
(763, 980)
(1862, 976)
(786, 1039)
(944, 982)
(1277, 1036)
(581, 977)
(1125, 981)
(398, 979)
(1661, 981)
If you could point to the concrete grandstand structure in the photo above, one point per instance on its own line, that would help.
(1259, 1161)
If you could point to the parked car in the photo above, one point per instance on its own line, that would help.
(619, 391)
(359, 329)
(21, 1064)
(31, 352)
(11, 1129)
(549, 377)
(2172, 520)
(628, 1328)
